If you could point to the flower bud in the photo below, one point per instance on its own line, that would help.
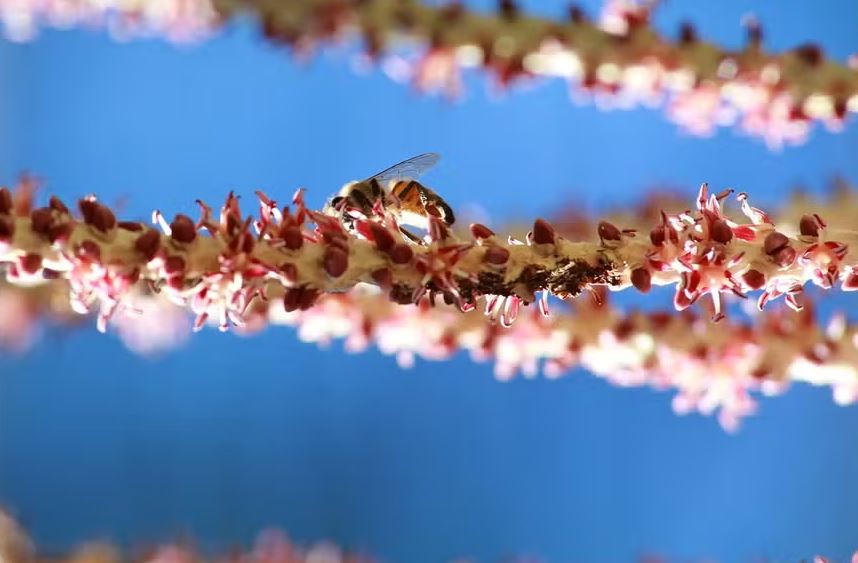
(657, 235)
(496, 255)
(335, 261)
(754, 279)
(774, 242)
(30, 262)
(148, 244)
(5, 201)
(480, 231)
(607, 231)
(641, 279)
(41, 220)
(7, 228)
(182, 229)
(384, 241)
(721, 231)
(543, 232)
(292, 237)
(401, 254)
(809, 226)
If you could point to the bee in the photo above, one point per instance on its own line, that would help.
(398, 191)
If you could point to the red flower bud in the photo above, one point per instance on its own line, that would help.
(657, 235)
(785, 256)
(292, 237)
(543, 232)
(641, 279)
(809, 53)
(57, 205)
(5, 201)
(87, 210)
(496, 255)
(335, 261)
(754, 279)
(384, 240)
(104, 219)
(148, 244)
(7, 228)
(383, 278)
(809, 226)
(608, 231)
(30, 262)
(479, 231)
(97, 215)
(291, 299)
(401, 254)
(721, 231)
(174, 265)
(182, 229)
(89, 251)
(307, 298)
(774, 242)
(687, 34)
(41, 220)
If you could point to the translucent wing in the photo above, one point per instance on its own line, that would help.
(408, 169)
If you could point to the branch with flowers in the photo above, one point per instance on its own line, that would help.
(713, 368)
(293, 265)
(620, 60)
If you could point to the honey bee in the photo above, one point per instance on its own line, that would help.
(398, 191)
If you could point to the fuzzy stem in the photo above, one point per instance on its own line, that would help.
(309, 253)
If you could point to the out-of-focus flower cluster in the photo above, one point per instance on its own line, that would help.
(712, 368)
(271, 546)
(177, 20)
(617, 61)
(365, 281)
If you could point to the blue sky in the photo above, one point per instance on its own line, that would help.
(228, 434)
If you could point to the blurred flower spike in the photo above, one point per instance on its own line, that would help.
(366, 281)
(617, 61)
(271, 546)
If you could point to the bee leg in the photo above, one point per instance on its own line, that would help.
(432, 205)
(449, 217)
(411, 236)
(346, 220)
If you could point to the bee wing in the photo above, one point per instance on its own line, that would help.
(412, 168)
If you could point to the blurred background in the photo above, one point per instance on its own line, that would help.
(227, 435)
